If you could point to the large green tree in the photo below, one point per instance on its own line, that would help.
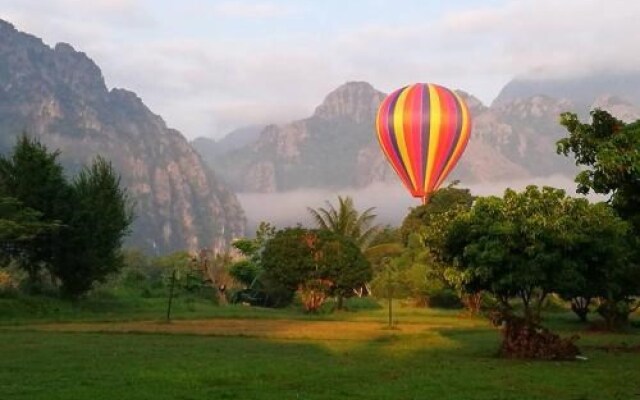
(74, 229)
(530, 244)
(93, 236)
(344, 219)
(609, 152)
(597, 247)
(32, 175)
(423, 231)
(514, 246)
(297, 256)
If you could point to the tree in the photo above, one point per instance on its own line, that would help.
(611, 152)
(101, 217)
(519, 247)
(32, 176)
(421, 219)
(19, 227)
(345, 220)
(423, 231)
(596, 258)
(511, 246)
(248, 269)
(298, 258)
(345, 266)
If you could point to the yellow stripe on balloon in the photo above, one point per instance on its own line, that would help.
(384, 148)
(434, 135)
(462, 141)
(398, 126)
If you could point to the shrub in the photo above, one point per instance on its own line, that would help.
(444, 298)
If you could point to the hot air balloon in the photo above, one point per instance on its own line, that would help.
(423, 129)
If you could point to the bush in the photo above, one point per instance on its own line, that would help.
(361, 303)
(444, 298)
(555, 304)
(8, 284)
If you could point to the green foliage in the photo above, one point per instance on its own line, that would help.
(19, 227)
(183, 267)
(420, 266)
(356, 303)
(74, 229)
(101, 216)
(32, 176)
(245, 272)
(346, 220)
(596, 261)
(295, 256)
(444, 298)
(378, 253)
(428, 219)
(387, 235)
(533, 243)
(611, 152)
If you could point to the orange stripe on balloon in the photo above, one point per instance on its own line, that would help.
(465, 132)
(401, 136)
(385, 111)
(448, 133)
(410, 119)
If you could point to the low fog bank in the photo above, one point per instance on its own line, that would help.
(391, 201)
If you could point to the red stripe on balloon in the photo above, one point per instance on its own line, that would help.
(410, 137)
(417, 132)
(448, 132)
(385, 121)
(393, 136)
(462, 138)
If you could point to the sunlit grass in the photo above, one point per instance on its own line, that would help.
(120, 348)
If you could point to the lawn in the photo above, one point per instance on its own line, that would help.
(242, 353)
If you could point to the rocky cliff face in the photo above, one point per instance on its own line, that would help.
(320, 151)
(580, 90)
(59, 96)
(336, 147)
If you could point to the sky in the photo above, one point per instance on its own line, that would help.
(208, 67)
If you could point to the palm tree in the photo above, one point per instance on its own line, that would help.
(346, 221)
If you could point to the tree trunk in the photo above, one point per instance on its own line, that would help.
(580, 306)
(339, 302)
(473, 302)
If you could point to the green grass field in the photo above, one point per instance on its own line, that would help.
(244, 353)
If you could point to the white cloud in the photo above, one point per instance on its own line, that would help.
(390, 200)
(250, 9)
(207, 84)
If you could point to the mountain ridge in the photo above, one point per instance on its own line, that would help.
(59, 95)
(510, 140)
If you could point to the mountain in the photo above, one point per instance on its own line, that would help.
(59, 96)
(323, 150)
(582, 91)
(210, 148)
(336, 146)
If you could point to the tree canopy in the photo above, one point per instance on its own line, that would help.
(74, 229)
(529, 244)
(297, 256)
(610, 151)
(346, 220)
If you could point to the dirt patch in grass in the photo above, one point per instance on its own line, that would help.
(273, 329)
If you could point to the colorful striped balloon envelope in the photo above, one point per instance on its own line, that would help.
(423, 129)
